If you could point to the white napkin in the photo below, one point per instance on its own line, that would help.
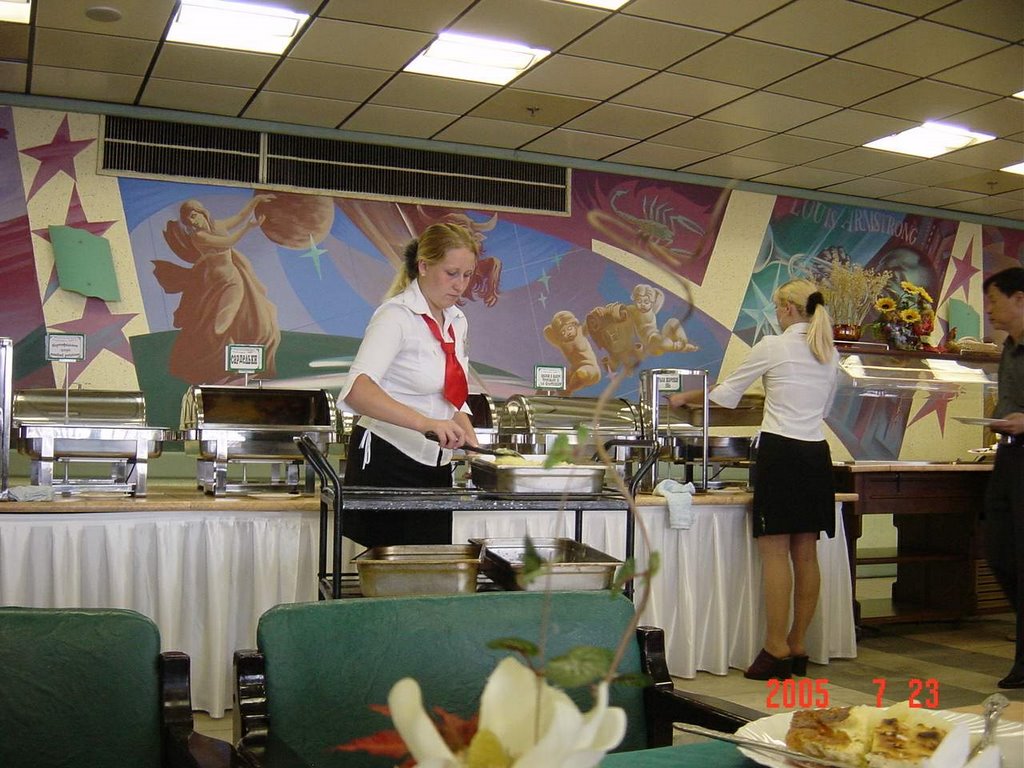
(30, 493)
(679, 499)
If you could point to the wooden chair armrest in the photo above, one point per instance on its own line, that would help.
(250, 721)
(182, 745)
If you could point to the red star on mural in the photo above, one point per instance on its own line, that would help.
(965, 270)
(936, 403)
(102, 330)
(59, 155)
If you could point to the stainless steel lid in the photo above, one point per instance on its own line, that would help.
(285, 410)
(84, 406)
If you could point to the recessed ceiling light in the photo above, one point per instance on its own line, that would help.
(1018, 168)
(17, 11)
(475, 58)
(611, 5)
(236, 25)
(930, 140)
(103, 13)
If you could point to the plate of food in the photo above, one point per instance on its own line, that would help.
(977, 421)
(879, 737)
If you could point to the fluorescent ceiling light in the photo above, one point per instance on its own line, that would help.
(16, 11)
(1019, 95)
(929, 140)
(236, 25)
(475, 58)
(611, 5)
(1018, 168)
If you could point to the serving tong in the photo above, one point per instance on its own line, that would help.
(479, 449)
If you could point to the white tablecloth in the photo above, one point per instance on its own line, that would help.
(204, 577)
(707, 596)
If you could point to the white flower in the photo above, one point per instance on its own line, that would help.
(534, 724)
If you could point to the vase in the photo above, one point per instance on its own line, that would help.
(845, 332)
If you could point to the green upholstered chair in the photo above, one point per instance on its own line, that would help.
(320, 666)
(84, 687)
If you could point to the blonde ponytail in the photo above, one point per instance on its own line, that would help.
(810, 305)
(431, 246)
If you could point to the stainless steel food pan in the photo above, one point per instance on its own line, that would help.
(418, 569)
(573, 566)
(535, 477)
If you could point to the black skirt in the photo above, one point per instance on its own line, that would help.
(794, 491)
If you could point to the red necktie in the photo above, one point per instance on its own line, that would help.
(456, 389)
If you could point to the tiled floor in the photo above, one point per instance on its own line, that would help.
(964, 659)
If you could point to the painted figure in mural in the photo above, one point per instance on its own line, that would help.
(794, 494)
(612, 330)
(643, 312)
(409, 378)
(222, 300)
(486, 282)
(1004, 501)
(564, 333)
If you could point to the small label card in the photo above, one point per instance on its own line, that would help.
(65, 347)
(244, 358)
(549, 377)
(669, 382)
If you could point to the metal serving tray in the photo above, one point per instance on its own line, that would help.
(418, 569)
(574, 566)
(535, 477)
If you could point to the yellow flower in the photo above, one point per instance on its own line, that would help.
(885, 304)
(908, 286)
(910, 316)
(924, 295)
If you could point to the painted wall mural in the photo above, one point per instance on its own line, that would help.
(642, 271)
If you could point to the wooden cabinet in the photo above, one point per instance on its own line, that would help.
(936, 510)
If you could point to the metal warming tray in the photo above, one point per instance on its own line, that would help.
(418, 569)
(574, 566)
(255, 425)
(533, 477)
(531, 424)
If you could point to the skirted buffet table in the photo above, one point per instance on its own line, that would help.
(205, 569)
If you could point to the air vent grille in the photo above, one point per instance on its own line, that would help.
(133, 146)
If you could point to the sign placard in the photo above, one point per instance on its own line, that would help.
(669, 382)
(65, 347)
(549, 377)
(244, 358)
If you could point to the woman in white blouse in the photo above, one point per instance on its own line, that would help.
(794, 494)
(409, 378)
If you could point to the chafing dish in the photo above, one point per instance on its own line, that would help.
(484, 418)
(533, 477)
(418, 569)
(531, 424)
(570, 564)
(87, 426)
(242, 426)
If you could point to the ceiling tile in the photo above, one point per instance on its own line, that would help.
(85, 84)
(641, 42)
(992, 155)
(1000, 72)
(862, 160)
(999, 18)
(935, 47)
(362, 45)
(433, 94)
(212, 65)
(711, 136)
(729, 62)
(871, 187)
(425, 17)
(770, 112)
(725, 17)
(928, 172)
(791, 150)
(620, 120)
(542, 109)
(195, 97)
(568, 143)
(539, 24)
(679, 93)
(490, 133)
(144, 19)
(732, 167)
(102, 53)
(931, 197)
(654, 155)
(824, 26)
(1016, 196)
(574, 76)
(925, 100)
(989, 206)
(14, 41)
(998, 118)
(988, 183)
(396, 121)
(332, 81)
(851, 126)
(301, 110)
(13, 76)
(843, 83)
(805, 178)
(912, 7)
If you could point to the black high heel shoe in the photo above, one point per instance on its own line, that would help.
(800, 665)
(768, 667)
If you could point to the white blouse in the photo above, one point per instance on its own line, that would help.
(798, 390)
(401, 355)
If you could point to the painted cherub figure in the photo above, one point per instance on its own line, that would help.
(611, 329)
(643, 312)
(564, 333)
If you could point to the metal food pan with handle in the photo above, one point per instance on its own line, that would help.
(532, 477)
(418, 569)
(572, 565)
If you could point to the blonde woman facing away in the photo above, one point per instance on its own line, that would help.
(409, 378)
(794, 494)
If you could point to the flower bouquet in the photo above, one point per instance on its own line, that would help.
(849, 290)
(907, 319)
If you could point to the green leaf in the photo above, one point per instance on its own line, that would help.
(515, 645)
(653, 564)
(560, 451)
(624, 574)
(635, 680)
(533, 564)
(582, 665)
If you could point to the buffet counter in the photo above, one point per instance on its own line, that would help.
(205, 569)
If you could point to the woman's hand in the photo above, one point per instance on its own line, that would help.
(689, 397)
(1011, 424)
(449, 434)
